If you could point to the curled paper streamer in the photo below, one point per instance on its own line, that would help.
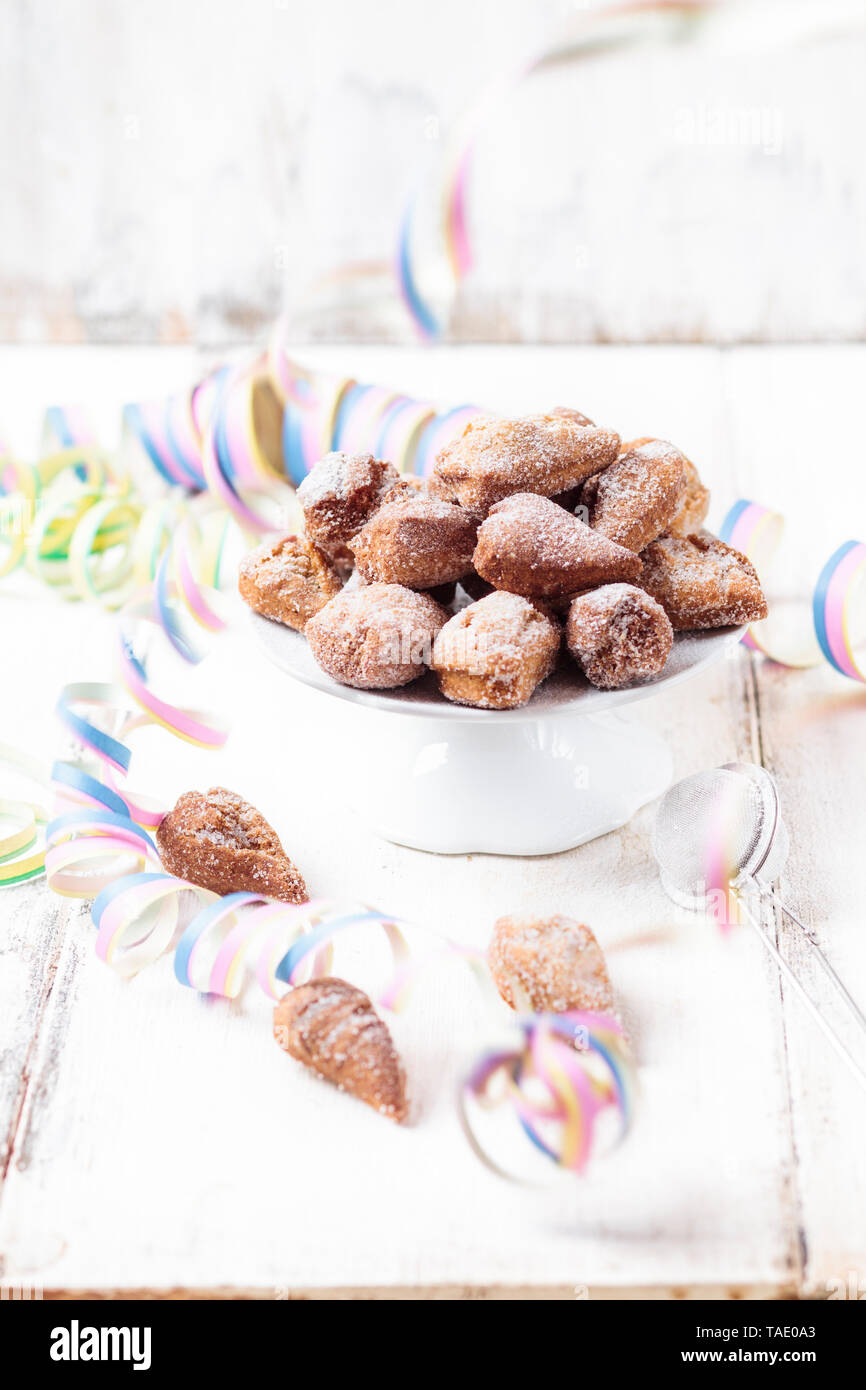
(720, 859)
(70, 518)
(22, 822)
(838, 602)
(324, 413)
(588, 35)
(222, 437)
(562, 1074)
(229, 941)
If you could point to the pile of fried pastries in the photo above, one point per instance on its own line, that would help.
(533, 540)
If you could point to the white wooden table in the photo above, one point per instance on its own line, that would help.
(154, 1140)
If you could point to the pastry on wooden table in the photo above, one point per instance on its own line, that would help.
(340, 494)
(416, 541)
(332, 1027)
(289, 580)
(547, 454)
(549, 965)
(618, 634)
(376, 636)
(636, 498)
(529, 545)
(219, 841)
(496, 652)
(700, 582)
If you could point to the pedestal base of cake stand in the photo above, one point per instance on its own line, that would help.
(561, 770)
(533, 787)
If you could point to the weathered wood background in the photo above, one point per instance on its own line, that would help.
(181, 170)
(151, 1139)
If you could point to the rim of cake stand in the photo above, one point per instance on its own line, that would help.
(565, 693)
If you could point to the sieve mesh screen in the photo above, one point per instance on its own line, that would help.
(711, 822)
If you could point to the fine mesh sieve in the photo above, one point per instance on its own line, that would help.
(725, 825)
(734, 807)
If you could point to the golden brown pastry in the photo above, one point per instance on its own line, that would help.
(618, 634)
(416, 541)
(693, 509)
(700, 582)
(221, 842)
(407, 485)
(339, 494)
(635, 499)
(547, 454)
(288, 579)
(549, 965)
(375, 637)
(529, 545)
(435, 486)
(569, 414)
(496, 652)
(332, 1027)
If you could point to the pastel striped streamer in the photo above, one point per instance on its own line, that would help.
(837, 601)
(324, 413)
(562, 1074)
(585, 36)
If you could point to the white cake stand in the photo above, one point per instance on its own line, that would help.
(436, 776)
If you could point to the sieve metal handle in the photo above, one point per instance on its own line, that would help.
(818, 954)
(812, 1008)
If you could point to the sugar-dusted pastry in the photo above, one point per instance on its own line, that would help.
(547, 454)
(635, 499)
(338, 496)
(434, 486)
(576, 415)
(701, 582)
(416, 541)
(618, 634)
(443, 594)
(221, 842)
(375, 637)
(693, 509)
(549, 965)
(496, 652)
(406, 485)
(332, 1027)
(288, 579)
(531, 546)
